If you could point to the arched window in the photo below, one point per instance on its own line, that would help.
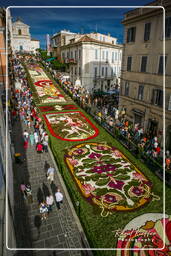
(19, 31)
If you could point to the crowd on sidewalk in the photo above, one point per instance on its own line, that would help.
(22, 109)
(113, 119)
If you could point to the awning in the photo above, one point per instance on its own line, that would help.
(113, 92)
(138, 112)
(51, 59)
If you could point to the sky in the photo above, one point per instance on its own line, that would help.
(44, 21)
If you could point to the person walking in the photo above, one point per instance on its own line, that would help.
(23, 189)
(31, 139)
(26, 135)
(49, 202)
(59, 198)
(36, 137)
(43, 211)
(50, 174)
(45, 146)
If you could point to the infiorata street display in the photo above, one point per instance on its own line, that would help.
(71, 126)
(106, 176)
(57, 108)
(46, 90)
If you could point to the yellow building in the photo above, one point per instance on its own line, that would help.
(142, 69)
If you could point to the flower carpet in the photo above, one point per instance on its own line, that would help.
(46, 90)
(152, 232)
(57, 108)
(71, 126)
(105, 176)
(100, 174)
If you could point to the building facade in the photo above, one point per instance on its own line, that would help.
(93, 64)
(5, 153)
(22, 38)
(142, 81)
(60, 39)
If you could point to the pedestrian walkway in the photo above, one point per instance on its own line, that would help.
(61, 229)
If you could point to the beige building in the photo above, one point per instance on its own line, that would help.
(94, 61)
(142, 69)
(60, 39)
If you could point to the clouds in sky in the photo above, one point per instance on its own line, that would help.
(44, 21)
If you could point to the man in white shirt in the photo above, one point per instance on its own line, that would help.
(59, 198)
(50, 174)
(26, 135)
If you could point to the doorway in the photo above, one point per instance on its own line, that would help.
(152, 128)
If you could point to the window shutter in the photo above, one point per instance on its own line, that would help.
(152, 98)
(160, 98)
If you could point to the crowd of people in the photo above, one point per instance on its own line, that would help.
(23, 110)
(113, 119)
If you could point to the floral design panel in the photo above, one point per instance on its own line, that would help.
(70, 126)
(107, 178)
(58, 108)
(46, 90)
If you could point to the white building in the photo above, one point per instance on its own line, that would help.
(94, 61)
(22, 39)
(59, 39)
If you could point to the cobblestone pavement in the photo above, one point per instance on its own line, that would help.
(60, 230)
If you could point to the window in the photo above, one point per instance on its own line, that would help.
(95, 71)
(19, 32)
(103, 55)
(68, 55)
(112, 57)
(129, 63)
(106, 55)
(160, 68)
(111, 71)
(75, 55)
(131, 34)
(157, 97)
(75, 70)
(79, 71)
(169, 106)
(143, 63)
(21, 47)
(126, 88)
(106, 71)
(71, 55)
(96, 54)
(168, 27)
(79, 53)
(140, 92)
(147, 31)
(102, 71)
(116, 55)
(103, 39)
(63, 55)
(114, 70)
